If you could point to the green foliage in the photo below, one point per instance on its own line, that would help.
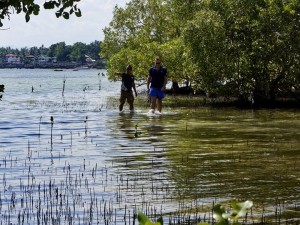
(234, 48)
(204, 36)
(64, 8)
(139, 33)
(144, 220)
(221, 216)
(238, 210)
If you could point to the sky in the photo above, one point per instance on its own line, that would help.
(45, 29)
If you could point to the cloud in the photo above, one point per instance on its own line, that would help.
(45, 29)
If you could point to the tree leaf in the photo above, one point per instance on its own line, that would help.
(27, 17)
(58, 14)
(36, 9)
(152, 223)
(218, 212)
(78, 13)
(142, 218)
(66, 15)
(160, 220)
(49, 5)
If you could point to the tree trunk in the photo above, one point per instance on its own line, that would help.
(274, 87)
(260, 93)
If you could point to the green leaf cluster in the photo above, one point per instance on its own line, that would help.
(222, 217)
(144, 220)
(64, 8)
(238, 210)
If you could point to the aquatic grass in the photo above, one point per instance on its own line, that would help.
(86, 126)
(99, 79)
(52, 122)
(195, 101)
(64, 85)
(2, 87)
(71, 198)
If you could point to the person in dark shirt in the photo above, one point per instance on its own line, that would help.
(156, 84)
(126, 88)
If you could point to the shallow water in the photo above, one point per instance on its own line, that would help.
(92, 165)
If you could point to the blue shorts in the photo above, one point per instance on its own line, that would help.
(156, 92)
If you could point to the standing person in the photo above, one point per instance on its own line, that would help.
(157, 81)
(126, 88)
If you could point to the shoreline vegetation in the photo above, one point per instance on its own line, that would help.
(50, 65)
(190, 100)
(201, 100)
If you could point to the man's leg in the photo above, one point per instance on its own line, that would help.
(121, 106)
(153, 103)
(130, 100)
(159, 104)
(122, 101)
(160, 97)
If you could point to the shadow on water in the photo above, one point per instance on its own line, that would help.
(139, 138)
(209, 155)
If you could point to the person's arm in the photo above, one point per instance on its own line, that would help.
(149, 80)
(133, 86)
(165, 83)
(118, 73)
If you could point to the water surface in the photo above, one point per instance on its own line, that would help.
(92, 165)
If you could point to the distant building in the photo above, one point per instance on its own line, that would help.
(44, 59)
(12, 59)
(30, 58)
(89, 59)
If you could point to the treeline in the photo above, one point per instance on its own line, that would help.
(249, 50)
(63, 53)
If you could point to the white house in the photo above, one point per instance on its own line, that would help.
(89, 59)
(30, 58)
(43, 59)
(12, 58)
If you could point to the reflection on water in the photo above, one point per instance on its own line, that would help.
(102, 167)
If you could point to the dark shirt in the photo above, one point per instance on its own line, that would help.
(127, 82)
(158, 77)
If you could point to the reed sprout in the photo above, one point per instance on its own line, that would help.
(64, 85)
(52, 122)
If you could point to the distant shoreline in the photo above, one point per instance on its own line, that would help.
(49, 65)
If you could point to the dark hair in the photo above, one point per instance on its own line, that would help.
(129, 67)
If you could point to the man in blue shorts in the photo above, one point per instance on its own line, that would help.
(157, 81)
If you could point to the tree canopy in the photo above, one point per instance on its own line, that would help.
(29, 7)
(240, 48)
